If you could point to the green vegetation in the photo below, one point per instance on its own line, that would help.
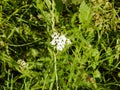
(28, 61)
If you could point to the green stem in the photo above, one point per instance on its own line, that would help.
(55, 63)
(53, 15)
(53, 28)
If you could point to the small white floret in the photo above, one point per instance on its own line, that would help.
(55, 35)
(68, 41)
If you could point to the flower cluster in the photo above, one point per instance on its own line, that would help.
(23, 64)
(59, 41)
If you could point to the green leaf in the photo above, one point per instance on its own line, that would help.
(76, 2)
(97, 74)
(109, 55)
(85, 13)
(48, 3)
(34, 52)
(119, 74)
(59, 5)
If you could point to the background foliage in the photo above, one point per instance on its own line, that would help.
(90, 63)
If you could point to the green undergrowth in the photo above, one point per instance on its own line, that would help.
(90, 62)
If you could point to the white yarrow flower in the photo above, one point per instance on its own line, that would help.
(59, 41)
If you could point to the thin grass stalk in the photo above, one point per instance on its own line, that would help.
(53, 29)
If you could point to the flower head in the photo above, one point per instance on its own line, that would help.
(22, 64)
(59, 41)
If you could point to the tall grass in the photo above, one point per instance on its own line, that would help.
(29, 62)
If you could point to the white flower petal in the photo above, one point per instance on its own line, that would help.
(55, 35)
(53, 42)
(63, 38)
(58, 47)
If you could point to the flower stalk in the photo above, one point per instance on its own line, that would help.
(53, 28)
(55, 66)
